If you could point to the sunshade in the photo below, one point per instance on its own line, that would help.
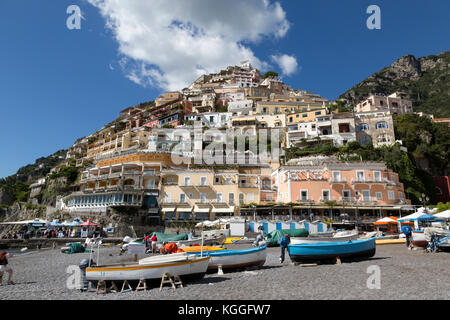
(444, 214)
(386, 220)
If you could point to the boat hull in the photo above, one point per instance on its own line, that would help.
(311, 240)
(418, 239)
(232, 259)
(330, 250)
(190, 267)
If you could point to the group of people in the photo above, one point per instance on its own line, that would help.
(150, 243)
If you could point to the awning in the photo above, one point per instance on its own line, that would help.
(202, 209)
(168, 209)
(224, 209)
(184, 209)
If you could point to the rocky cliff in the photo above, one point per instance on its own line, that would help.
(425, 80)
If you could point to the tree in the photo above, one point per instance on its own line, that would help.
(270, 74)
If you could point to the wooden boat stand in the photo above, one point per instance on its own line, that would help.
(166, 278)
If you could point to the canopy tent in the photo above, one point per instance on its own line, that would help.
(427, 217)
(444, 214)
(386, 220)
(413, 216)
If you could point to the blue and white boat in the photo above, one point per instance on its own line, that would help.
(231, 259)
(329, 250)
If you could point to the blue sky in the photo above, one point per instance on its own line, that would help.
(57, 85)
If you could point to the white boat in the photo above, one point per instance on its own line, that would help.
(338, 236)
(418, 239)
(231, 259)
(181, 264)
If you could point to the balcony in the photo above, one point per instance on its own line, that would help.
(248, 185)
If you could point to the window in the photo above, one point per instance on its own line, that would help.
(202, 197)
(344, 127)
(379, 195)
(182, 198)
(383, 138)
(151, 184)
(346, 195)
(304, 115)
(219, 197)
(169, 180)
(229, 181)
(190, 195)
(187, 181)
(391, 195)
(241, 198)
(167, 198)
(363, 127)
(291, 119)
(250, 197)
(297, 116)
(336, 175)
(366, 195)
(318, 113)
(360, 176)
(231, 198)
(377, 175)
(400, 195)
(203, 181)
(381, 125)
(325, 195)
(304, 195)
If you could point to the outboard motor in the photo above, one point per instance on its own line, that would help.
(83, 281)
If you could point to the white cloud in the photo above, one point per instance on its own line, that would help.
(288, 64)
(169, 43)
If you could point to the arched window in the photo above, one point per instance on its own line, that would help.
(381, 125)
(363, 127)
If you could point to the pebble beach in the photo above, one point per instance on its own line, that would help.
(405, 274)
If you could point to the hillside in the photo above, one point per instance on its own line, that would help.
(426, 81)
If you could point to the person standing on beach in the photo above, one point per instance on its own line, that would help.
(407, 231)
(154, 240)
(4, 256)
(284, 241)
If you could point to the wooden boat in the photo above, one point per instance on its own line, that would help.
(336, 238)
(330, 250)
(198, 249)
(182, 264)
(418, 239)
(231, 259)
(390, 241)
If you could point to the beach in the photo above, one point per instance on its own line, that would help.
(405, 274)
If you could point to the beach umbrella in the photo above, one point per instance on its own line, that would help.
(386, 220)
(444, 214)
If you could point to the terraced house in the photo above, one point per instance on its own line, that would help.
(204, 193)
(315, 182)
